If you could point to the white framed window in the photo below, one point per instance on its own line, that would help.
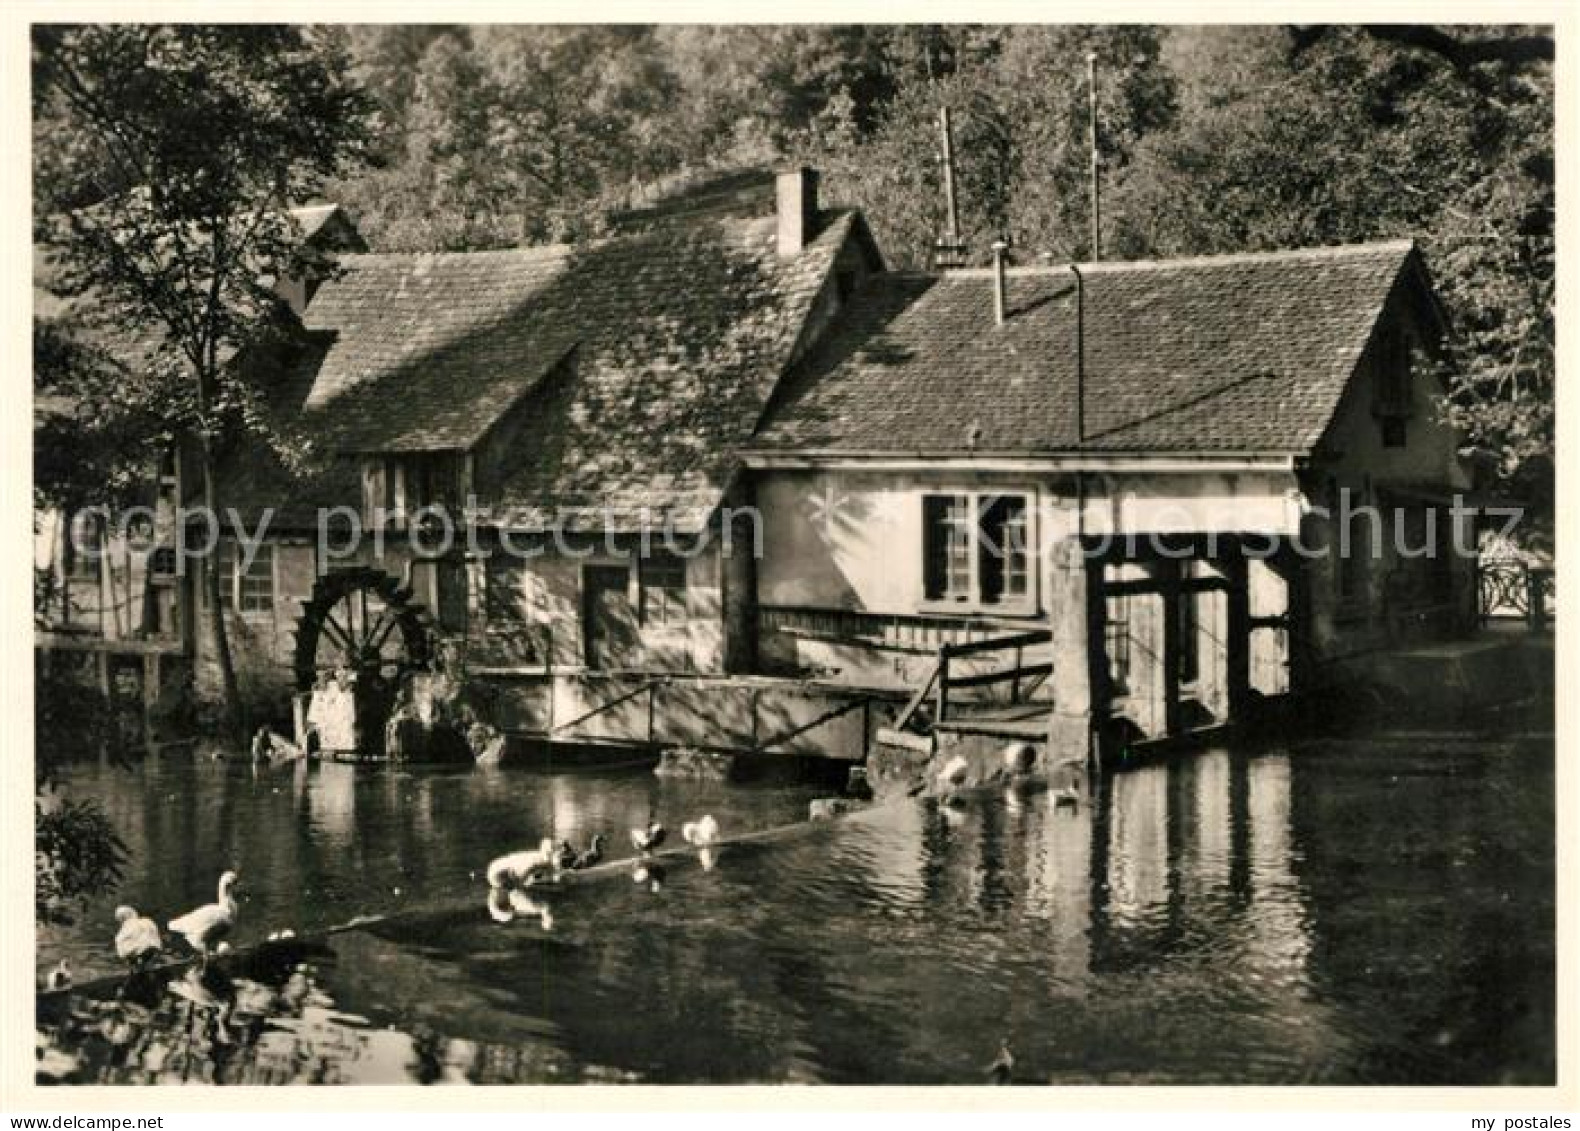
(249, 589)
(976, 550)
(663, 583)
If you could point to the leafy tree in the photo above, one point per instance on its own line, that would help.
(167, 158)
(77, 852)
(1331, 135)
(1019, 99)
(575, 110)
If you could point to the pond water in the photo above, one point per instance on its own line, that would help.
(1338, 911)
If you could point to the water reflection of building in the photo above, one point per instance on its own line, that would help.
(1206, 840)
(1138, 834)
(1198, 853)
(1279, 930)
(332, 804)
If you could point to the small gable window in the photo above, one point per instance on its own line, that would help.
(976, 549)
(1394, 375)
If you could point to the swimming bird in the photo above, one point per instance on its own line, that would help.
(591, 856)
(529, 866)
(564, 856)
(701, 832)
(645, 840)
(1002, 1070)
(60, 977)
(137, 942)
(210, 923)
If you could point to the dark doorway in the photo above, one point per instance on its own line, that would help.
(608, 618)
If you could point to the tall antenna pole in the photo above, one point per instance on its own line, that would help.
(948, 251)
(1091, 113)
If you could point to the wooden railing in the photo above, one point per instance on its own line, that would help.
(945, 678)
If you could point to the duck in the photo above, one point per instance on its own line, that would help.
(210, 923)
(646, 840)
(529, 866)
(591, 855)
(1002, 1070)
(137, 941)
(701, 832)
(564, 856)
(60, 977)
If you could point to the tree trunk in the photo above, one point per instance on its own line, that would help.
(219, 639)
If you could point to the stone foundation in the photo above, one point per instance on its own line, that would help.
(958, 765)
(437, 717)
(694, 765)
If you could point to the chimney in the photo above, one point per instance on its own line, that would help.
(796, 201)
(1000, 246)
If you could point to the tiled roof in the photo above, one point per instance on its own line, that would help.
(673, 340)
(429, 350)
(1230, 354)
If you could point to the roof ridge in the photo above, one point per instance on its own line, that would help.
(548, 250)
(530, 251)
(1280, 255)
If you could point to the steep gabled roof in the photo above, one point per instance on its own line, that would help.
(671, 339)
(429, 350)
(1225, 354)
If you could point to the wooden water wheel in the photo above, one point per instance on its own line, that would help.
(362, 620)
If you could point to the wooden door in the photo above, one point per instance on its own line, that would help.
(609, 628)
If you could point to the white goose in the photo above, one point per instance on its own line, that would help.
(700, 833)
(137, 941)
(210, 923)
(524, 868)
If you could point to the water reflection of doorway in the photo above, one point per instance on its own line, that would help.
(608, 619)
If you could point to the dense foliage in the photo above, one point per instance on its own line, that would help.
(1211, 140)
(166, 161)
(77, 852)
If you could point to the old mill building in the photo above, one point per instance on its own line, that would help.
(1042, 502)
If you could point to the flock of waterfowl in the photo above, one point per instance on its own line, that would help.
(514, 877)
(515, 881)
